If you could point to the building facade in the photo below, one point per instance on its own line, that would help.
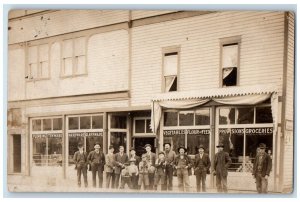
(123, 77)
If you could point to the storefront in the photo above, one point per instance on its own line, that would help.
(240, 118)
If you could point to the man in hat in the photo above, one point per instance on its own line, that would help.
(80, 160)
(151, 158)
(261, 169)
(182, 165)
(137, 159)
(96, 159)
(201, 168)
(121, 158)
(170, 156)
(110, 165)
(221, 164)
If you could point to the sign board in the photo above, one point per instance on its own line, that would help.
(85, 134)
(248, 131)
(186, 132)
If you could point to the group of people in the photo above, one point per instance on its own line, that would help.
(151, 171)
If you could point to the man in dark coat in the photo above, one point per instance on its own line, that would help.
(170, 156)
(120, 158)
(221, 164)
(182, 165)
(151, 158)
(261, 169)
(201, 167)
(80, 160)
(96, 159)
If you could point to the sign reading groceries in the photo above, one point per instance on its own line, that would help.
(187, 132)
(248, 131)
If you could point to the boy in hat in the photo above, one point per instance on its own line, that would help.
(134, 173)
(80, 160)
(151, 158)
(201, 168)
(261, 169)
(96, 159)
(160, 173)
(121, 158)
(221, 164)
(143, 173)
(182, 164)
(170, 156)
(110, 165)
(125, 176)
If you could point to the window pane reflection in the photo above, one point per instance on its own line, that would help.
(73, 123)
(118, 122)
(85, 122)
(170, 119)
(202, 117)
(264, 115)
(227, 116)
(186, 118)
(140, 126)
(245, 115)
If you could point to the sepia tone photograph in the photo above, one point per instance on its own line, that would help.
(150, 101)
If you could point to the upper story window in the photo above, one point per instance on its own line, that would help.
(38, 62)
(170, 70)
(74, 57)
(230, 61)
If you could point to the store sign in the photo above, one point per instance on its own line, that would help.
(187, 132)
(248, 131)
(47, 135)
(85, 134)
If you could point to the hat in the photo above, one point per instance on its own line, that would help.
(80, 145)
(147, 145)
(220, 145)
(132, 160)
(97, 145)
(201, 146)
(161, 153)
(110, 147)
(182, 147)
(167, 143)
(132, 148)
(262, 146)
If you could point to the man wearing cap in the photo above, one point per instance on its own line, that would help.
(221, 164)
(151, 158)
(110, 165)
(170, 156)
(261, 169)
(80, 160)
(201, 168)
(160, 173)
(96, 159)
(137, 159)
(121, 158)
(182, 164)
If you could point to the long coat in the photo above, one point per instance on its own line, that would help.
(76, 158)
(266, 165)
(120, 160)
(206, 163)
(92, 159)
(110, 163)
(222, 162)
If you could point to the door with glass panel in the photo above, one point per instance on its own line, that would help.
(241, 129)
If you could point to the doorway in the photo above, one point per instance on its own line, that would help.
(17, 153)
(140, 142)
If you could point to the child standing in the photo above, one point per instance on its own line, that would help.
(160, 173)
(134, 173)
(125, 176)
(143, 173)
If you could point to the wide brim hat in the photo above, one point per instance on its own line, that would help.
(147, 145)
(182, 147)
(220, 145)
(262, 146)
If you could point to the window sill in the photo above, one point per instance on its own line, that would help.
(38, 79)
(73, 76)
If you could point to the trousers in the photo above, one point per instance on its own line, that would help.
(221, 181)
(261, 184)
(82, 169)
(97, 169)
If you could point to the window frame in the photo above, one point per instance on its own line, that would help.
(227, 41)
(145, 134)
(74, 58)
(168, 50)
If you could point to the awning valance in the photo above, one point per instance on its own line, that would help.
(248, 95)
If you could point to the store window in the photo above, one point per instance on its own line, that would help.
(227, 116)
(38, 62)
(47, 141)
(118, 131)
(230, 64)
(170, 69)
(186, 118)
(85, 129)
(142, 126)
(245, 115)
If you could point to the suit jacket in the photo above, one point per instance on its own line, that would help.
(266, 165)
(76, 158)
(222, 162)
(110, 163)
(92, 159)
(137, 159)
(120, 160)
(206, 163)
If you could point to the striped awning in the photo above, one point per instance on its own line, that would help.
(217, 92)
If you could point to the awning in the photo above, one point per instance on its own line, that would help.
(216, 92)
(238, 95)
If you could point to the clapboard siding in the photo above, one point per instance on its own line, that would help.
(16, 73)
(138, 14)
(199, 40)
(107, 64)
(60, 22)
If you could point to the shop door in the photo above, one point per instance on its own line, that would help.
(140, 142)
(17, 153)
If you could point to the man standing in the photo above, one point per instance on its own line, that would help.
(261, 169)
(151, 158)
(80, 160)
(182, 165)
(137, 159)
(110, 164)
(221, 164)
(202, 165)
(97, 161)
(121, 158)
(170, 158)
